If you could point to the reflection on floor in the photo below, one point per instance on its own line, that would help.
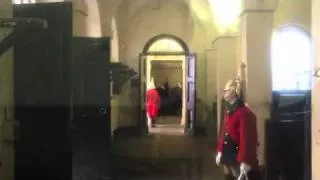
(168, 125)
(160, 156)
(169, 120)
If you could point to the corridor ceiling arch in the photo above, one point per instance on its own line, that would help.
(199, 11)
(226, 14)
(200, 7)
(178, 44)
(291, 59)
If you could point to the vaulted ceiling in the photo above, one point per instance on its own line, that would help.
(198, 11)
(199, 8)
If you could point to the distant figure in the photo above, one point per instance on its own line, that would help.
(176, 100)
(163, 91)
(152, 103)
(166, 88)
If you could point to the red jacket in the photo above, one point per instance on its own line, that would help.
(152, 103)
(241, 127)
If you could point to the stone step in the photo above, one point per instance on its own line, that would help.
(168, 129)
(175, 126)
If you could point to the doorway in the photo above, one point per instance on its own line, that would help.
(166, 59)
(291, 60)
(168, 73)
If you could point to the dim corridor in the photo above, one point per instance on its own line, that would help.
(161, 156)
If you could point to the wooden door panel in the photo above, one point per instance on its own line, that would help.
(42, 97)
(91, 132)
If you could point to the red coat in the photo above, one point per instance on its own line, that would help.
(152, 103)
(241, 127)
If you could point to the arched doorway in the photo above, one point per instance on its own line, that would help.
(166, 59)
(291, 62)
(166, 43)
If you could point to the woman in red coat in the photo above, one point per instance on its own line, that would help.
(152, 103)
(237, 144)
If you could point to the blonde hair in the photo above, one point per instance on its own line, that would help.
(234, 85)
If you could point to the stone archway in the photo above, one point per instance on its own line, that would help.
(166, 54)
(165, 36)
(292, 68)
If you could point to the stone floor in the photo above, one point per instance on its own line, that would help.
(165, 156)
(169, 120)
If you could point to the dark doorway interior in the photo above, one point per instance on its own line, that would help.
(288, 149)
(168, 76)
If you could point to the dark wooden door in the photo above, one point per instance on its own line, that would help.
(190, 92)
(42, 99)
(91, 133)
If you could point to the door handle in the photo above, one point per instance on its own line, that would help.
(17, 129)
(12, 130)
(103, 110)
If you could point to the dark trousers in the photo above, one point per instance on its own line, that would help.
(254, 175)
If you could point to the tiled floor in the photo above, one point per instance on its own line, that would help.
(166, 156)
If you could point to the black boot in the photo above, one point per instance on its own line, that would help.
(229, 177)
(254, 175)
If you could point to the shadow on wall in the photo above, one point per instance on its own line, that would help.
(129, 111)
(6, 110)
(211, 121)
(206, 119)
(207, 113)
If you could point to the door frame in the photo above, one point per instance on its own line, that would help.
(143, 61)
(182, 61)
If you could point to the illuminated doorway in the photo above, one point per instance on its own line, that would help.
(166, 59)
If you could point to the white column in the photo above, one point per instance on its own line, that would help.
(226, 53)
(256, 29)
(315, 119)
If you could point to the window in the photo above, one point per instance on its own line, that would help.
(17, 1)
(23, 1)
(166, 45)
(291, 60)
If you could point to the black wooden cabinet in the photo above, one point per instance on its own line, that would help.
(42, 99)
(62, 99)
(288, 135)
(91, 135)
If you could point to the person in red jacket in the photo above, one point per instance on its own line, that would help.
(237, 143)
(152, 103)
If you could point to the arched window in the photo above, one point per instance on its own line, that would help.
(165, 45)
(23, 1)
(291, 59)
(16, 1)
